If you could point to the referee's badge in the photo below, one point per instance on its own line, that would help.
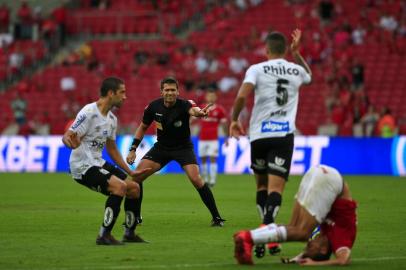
(178, 123)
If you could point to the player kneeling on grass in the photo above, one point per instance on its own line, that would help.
(323, 199)
(95, 127)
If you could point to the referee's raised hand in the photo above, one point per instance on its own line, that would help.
(202, 112)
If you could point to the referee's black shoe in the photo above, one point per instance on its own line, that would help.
(217, 222)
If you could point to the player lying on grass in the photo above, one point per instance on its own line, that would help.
(323, 199)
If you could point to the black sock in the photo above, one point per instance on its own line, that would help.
(261, 201)
(111, 211)
(273, 203)
(138, 202)
(208, 199)
(130, 223)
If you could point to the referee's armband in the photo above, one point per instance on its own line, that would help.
(135, 144)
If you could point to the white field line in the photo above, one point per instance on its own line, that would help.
(203, 265)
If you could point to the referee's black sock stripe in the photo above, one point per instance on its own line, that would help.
(208, 199)
(111, 211)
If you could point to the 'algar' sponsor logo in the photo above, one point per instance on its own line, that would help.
(272, 126)
(79, 121)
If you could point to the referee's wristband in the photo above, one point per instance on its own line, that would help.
(135, 144)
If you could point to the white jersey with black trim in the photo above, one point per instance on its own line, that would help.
(277, 83)
(93, 129)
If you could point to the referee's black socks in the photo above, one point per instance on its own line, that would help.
(208, 199)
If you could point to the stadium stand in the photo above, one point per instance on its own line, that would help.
(357, 58)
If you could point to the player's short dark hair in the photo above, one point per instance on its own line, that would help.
(170, 80)
(110, 83)
(276, 42)
(319, 256)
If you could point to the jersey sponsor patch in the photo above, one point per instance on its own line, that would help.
(277, 167)
(97, 144)
(79, 121)
(273, 126)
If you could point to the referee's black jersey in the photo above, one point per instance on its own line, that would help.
(172, 124)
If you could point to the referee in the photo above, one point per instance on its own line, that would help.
(170, 115)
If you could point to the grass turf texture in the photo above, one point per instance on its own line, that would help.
(47, 221)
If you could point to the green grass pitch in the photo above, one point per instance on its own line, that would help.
(47, 221)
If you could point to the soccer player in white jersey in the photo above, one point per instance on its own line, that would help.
(93, 129)
(275, 84)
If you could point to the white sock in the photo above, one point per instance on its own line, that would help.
(204, 172)
(213, 172)
(260, 211)
(102, 231)
(269, 233)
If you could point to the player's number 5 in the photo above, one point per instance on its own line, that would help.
(282, 96)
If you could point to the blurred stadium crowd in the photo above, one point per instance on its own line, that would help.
(54, 54)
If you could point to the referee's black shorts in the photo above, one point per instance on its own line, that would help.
(162, 155)
(272, 155)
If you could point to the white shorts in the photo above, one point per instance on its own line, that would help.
(318, 190)
(209, 148)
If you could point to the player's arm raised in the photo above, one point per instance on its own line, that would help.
(236, 129)
(294, 48)
(138, 136)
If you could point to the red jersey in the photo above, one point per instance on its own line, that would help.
(340, 226)
(209, 125)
